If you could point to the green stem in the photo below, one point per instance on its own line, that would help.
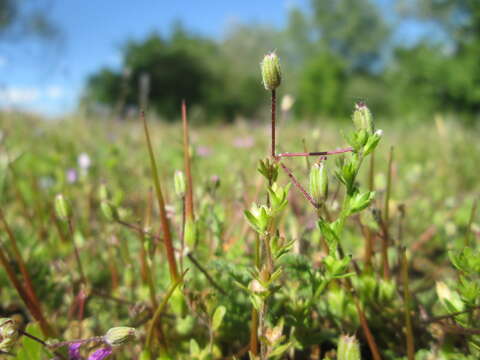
(167, 236)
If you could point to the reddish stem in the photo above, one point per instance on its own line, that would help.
(316, 153)
(274, 104)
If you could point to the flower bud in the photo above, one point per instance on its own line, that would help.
(362, 118)
(109, 211)
(318, 183)
(120, 335)
(348, 348)
(103, 192)
(190, 233)
(179, 182)
(8, 334)
(257, 287)
(62, 208)
(271, 74)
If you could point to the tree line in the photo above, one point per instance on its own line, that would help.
(333, 54)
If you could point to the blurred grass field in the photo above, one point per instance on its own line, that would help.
(434, 184)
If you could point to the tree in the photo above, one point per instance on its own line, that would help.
(352, 29)
(322, 86)
(22, 19)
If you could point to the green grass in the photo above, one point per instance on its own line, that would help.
(434, 183)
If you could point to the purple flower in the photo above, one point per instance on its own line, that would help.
(71, 176)
(100, 354)
(74, 351)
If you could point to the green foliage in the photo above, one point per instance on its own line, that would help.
(321, 86)
(309, 302)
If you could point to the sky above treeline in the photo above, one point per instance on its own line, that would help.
(50, 79)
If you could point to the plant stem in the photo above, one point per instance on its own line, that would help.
(188, 173)
(386, 210)
(298, 185)
(204, 272)
(167, 236)
(406, 299)
(43, 343)
(316, 153)
(75, 250)
(274, 104)
(159, 311)
(28, 285)
(470, 222)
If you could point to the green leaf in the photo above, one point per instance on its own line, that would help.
(194, 348)
(31, 349)
(218, 317)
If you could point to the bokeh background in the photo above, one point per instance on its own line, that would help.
(407, 59)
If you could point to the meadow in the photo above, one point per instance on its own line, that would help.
(83, 243)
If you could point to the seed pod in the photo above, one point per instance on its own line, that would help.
(179, 182)
(103, 192)
(318, 183)
(8, 334)
(190, 233)
(62, 208)
(271, 74)
(120, 335)
(348, 348)
(362, 118)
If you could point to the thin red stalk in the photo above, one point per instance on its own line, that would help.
(167, 236)
(366, 331)
(316, 153)
(274, 104)
(298, 185)
(47, 330)
(188, 173)
(29, 291)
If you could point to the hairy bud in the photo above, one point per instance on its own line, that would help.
(62, 208)
(271, 74)
(348, 348)
(362, 118)
(318, 184)
(179, 182)
(120, 335)
(8, 334)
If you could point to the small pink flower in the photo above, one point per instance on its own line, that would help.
(245, 142)
(203, 151)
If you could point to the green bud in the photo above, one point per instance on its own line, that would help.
(179, 182)
(318, 183)
(103, 193)
(271, 74)
(8, 334)
(361, 201)
(120, 335)
(190, 233)
(259, 217)
(348, 348)
(109, 211)
(62, 208)
(362, 118)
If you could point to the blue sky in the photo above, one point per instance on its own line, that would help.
(49, 80)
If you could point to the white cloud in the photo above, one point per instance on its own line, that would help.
(18, 95)
(26, 95)
(54, 92)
